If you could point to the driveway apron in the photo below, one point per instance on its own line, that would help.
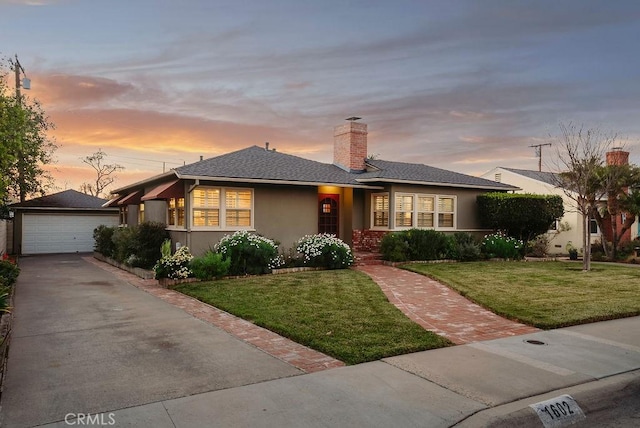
(85, 341)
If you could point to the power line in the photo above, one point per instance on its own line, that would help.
(538, 148)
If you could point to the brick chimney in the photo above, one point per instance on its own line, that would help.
(617, 156)
(350, 145)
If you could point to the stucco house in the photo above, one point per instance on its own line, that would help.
(544, 183)
(285, 197)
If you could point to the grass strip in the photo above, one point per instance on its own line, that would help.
(543, 294)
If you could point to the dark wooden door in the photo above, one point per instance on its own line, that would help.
(328, 214)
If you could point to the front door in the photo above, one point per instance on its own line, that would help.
(328, 214)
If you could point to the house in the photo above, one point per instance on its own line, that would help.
(544, 183)
(285, 197)
(59, 223)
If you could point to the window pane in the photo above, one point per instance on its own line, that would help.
(381, 218)
(238, 218)
(425, 203)
(238, 199)
(206, 217)
(404, 219)
(381, 202)
(445, 220)
(180, 211)
(445, 205)
(404, 203)
(425, 219)
(206, 198)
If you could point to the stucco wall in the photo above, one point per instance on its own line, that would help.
(283, 213)
(155, 210)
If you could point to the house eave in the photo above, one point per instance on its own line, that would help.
(145, 181)
(270, 181)
(439, 184)
(77, 209)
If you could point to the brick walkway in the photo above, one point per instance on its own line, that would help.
(439, 309)
(306, 359)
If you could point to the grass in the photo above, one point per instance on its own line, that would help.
(341, 313)
(544, 294)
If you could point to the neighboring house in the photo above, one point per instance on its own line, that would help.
(59, 223)
(543, 183)
(285, 197)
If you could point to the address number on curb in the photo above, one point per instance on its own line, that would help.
(558, 412)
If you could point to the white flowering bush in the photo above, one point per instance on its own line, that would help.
(324, 250)
(499, 245)
(174, 266)
(250, 254)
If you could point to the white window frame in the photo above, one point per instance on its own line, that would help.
(373, 210)
(436, 211)
(222, 209)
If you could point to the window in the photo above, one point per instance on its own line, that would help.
(175, 212)
(380, 208)
(593, 226)
(445, 211)
(425, 211)
(238, 207)
(124, 210)
(140, 213)
(404, 210)
(222, 207)
(206, 207)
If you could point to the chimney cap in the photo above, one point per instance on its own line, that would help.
(353, 118)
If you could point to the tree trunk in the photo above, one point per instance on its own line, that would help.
(586, 243)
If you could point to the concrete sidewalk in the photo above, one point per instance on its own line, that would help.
(483, 384)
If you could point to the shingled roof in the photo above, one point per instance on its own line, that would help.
(65, 199)
(259, 164)
(387, 171)
(545, 177)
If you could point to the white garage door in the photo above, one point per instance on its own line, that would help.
(61, 233)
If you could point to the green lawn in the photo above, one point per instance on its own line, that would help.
(544, 294)
(342, 313)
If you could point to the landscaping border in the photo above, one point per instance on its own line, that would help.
(139, 272)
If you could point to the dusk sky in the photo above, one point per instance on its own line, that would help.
(461, 85)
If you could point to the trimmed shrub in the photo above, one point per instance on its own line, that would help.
(124, 243)
(415, 244)
(519, 214)
(499, 245)
(211, 265)
(9, 272)
(324, 250)
(250, 254)
(104, 244)
(464, 247)
(148, 239)
(175, 266)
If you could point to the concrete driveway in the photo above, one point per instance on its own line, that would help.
(86, 342)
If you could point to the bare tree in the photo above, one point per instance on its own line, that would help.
(580, 156)
(105, 174)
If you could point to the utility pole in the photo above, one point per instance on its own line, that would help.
(538, 148)
(27, 85)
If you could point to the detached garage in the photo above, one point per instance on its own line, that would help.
(59, 223)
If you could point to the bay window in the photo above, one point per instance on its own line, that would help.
(424, 211)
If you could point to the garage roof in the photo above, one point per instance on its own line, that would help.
(65, 199)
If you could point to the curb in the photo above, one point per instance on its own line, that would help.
(596, 399)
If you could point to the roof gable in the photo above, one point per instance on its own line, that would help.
(65, 199)
(545, 177)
